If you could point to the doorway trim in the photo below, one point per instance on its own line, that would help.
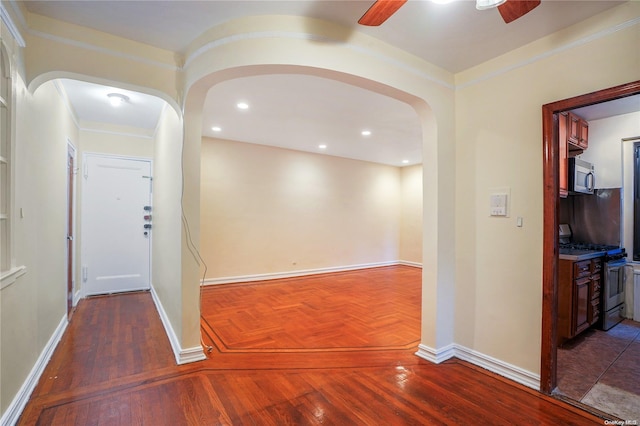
(551, 173)
(71, 226)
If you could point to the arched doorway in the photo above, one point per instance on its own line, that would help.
(433, 287)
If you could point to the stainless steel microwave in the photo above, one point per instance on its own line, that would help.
(582, 178)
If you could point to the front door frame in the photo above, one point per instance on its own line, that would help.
(551, 174)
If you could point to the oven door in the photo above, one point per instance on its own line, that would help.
(614, 284)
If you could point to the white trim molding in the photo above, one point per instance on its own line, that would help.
(487, 362)
(13, 29)
(409, 263)
(183, 356)
(13, 412)
(497, 366)
(364, 50)
(10, 276)
(299, 273)
(436, 356)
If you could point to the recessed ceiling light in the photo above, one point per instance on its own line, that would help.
(242, 105)
(117, 99)
(322, 146)
(405, 161)
(366, 133)
(216, 129)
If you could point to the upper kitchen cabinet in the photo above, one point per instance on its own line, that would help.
(578, 133)
(573, 132)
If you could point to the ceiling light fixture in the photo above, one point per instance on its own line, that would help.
(117, 99)
(322, 146)
(488, 4)
(405, 161)
(242, 105)
(366, 133)
(216, 129)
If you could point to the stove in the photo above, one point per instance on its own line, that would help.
(613, 270)
(608, 251)
(583, 250)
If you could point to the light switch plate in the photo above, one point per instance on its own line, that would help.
(499, 202)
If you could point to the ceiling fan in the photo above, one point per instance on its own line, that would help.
(510, 10)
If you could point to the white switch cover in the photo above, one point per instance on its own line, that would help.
(498, 204)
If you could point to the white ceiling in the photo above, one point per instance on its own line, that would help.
(91, 104)
(301, 112)
(455, 36)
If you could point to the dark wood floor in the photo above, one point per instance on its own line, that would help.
(332, 349)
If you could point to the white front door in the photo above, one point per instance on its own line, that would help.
(116, 246)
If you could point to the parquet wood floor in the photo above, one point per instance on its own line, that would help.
(343, 311)
(114, 366)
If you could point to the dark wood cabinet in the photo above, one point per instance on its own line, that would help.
(594, 293)
(573, 139)
(578, 296)
(578, 133)
(581, 306)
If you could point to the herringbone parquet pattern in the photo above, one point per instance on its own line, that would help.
(341, 311)
(114, 365)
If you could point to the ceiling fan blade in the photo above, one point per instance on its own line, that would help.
(380, 11)
(514, 9)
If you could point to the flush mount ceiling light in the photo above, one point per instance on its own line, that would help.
(322, 146)
(366, 133)
(242, 105)
(117, 99)
(488, 4)
(216, 129)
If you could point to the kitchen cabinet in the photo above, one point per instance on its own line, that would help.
(573, 134)
(578, 296)
(578, 133)
(594, 294)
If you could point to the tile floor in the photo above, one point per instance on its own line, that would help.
(602, 369)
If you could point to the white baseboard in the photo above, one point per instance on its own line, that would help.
(410, 263)
(301, 273)
(183, 356)
(497, 366)
(494, 365)
(436, 356)
(13, 412)
(76, 297)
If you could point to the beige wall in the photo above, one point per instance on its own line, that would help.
(268, 210)
(115, 140)
(35, 304)
(411, 214)
(499, 144)
(167, 188)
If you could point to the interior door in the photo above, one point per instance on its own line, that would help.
(116, 246)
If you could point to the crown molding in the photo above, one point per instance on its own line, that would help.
(13, 29)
